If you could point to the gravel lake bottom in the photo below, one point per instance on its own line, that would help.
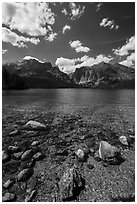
(71, 120)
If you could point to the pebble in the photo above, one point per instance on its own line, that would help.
(17, 155)
(80, 154)
(5, 156)
(8, 183)
(14, 133)
(13, 149)
(25, 174)
(31, 196)
(35, 143)
(123, 140)
(27, 155)
(7, 197)
(38, 156)
(90, 166)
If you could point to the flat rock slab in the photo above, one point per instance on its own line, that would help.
(34, 125)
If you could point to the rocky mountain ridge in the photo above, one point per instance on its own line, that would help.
(34, 74)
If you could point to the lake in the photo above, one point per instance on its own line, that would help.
(94, 103)
(64, 100)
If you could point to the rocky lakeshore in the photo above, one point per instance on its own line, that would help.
(50, 157)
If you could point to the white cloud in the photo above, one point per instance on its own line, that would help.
(4, 51)
(51, 37)
(124, 50)
(89, 61)
(31, 18)
(65, 65)
(69, 65)
(29, 57)
(77, 45)
(64, 11)
(76, 10)
(65, 28)
(109, 23)
(10, 37)
(130, 60)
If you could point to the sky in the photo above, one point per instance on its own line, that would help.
(69, 35)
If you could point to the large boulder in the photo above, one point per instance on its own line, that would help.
(109, 153)
(34, 125)
(70, 184)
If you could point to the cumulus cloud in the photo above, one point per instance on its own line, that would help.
(69, 65)
(90, 61)
(4, 51)
(65, 65)
(10, 37)
(31, 18)
(64, 11)
(65, 28)
(76, 10)
(130, 60)
(51, 37)
(77, 45)
(29, 57)
(124, 50)
(109, 23)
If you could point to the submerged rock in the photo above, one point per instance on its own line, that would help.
(123, 140)
(34, 125)
(7, 197)
(70, 184)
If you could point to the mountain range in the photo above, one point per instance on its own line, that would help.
(34, 74)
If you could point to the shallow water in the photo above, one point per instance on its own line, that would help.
(67, 100)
